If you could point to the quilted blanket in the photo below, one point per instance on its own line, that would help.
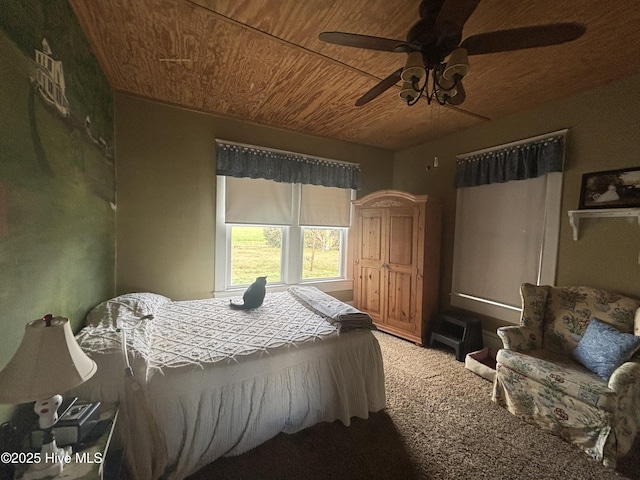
(198, 332)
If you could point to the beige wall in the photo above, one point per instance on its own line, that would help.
(604, 126)
(165, 170)
(166, 185)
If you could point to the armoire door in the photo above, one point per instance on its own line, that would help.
(400, 309)
(369, 289)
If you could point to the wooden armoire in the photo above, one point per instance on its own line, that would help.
(395, 241)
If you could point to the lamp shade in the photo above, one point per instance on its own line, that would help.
(407, 93)
(48, 361)
(458, 64)
(460, 95)
(446, 89)
(413, 68)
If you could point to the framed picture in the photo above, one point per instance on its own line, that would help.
(611, 189)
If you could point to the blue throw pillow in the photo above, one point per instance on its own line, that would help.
(604, 348)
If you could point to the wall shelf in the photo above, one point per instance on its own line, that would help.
(576, 215)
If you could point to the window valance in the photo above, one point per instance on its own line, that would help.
(237, 160)
(530, 158)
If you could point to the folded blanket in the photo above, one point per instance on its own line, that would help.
(342, 316)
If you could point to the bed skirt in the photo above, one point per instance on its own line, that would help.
(185, 418)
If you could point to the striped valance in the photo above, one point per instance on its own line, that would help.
(238, 160)
(520, 160)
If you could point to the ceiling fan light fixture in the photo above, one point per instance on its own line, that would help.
(408, 93)
(458, 64)
(460, 95)
(413, 68)
(445, 88)
(444, 96)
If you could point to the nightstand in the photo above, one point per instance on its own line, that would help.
(87, 460)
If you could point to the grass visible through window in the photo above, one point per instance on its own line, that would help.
(321, 257)
(256, 251)
(254, 255)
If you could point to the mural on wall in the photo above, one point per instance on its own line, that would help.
(57, 174)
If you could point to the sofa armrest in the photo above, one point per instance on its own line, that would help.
(625, 381)
(517, 337)
(626, 378)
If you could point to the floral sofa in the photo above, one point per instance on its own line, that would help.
(570, 367)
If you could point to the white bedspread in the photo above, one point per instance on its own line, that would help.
(207, 331)
(215, 381)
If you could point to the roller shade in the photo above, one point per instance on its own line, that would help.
(498, 238)
(325, 206)
(258, 201)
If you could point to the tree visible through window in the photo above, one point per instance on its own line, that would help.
(321, 254)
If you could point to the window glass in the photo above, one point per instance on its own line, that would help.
(256, 251)
(322, 253)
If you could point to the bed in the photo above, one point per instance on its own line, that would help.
(197, 380)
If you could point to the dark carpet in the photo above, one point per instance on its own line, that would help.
(440, 423)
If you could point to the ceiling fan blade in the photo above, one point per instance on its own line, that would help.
(361, 41)
(457, 12)
(384, 85)
(524, 37)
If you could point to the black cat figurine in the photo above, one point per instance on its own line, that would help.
(254, 295)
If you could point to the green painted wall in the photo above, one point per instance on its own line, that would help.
(166, 190)
(603, 134)
(57, 185)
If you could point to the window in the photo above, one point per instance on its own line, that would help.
(293, 233)
(506, 234)
(281, 214)
(506, 230)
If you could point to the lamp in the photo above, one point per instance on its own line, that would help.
(48, 361)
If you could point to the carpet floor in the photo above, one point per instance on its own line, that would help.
(439, 423)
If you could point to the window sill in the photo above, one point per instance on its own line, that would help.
(333, 285)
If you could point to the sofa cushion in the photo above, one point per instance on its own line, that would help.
(559, 375)
(570, 309)
(603, 348)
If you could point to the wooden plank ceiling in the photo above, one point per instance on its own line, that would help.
(262, 61)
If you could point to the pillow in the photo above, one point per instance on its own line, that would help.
(603, 348)
(128, 305)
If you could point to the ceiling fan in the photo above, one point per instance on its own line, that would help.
(438, 35)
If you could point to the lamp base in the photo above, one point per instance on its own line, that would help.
(52, 462)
